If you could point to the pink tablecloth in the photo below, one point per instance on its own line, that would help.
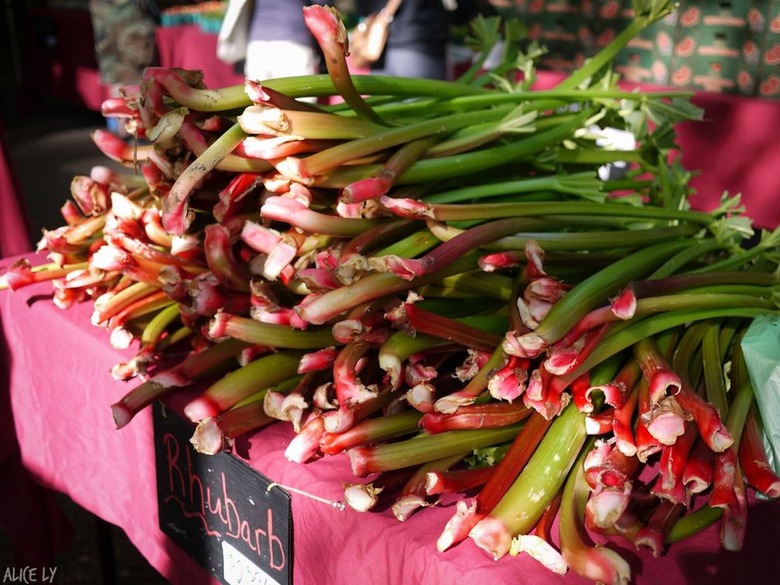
(61, 389)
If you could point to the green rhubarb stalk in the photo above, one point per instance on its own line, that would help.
(195, 367)
(410, 246)
(150, 304)
(159, 323)
(237, 385)
(593, 240)
(370, 287)
(372, 431)
(461, 212)
(424, 448)
(625, 335)
(176, 215)
(522, 505)
(175, 337)
(472, 137)
(112, 304)
(712, 366)
(591, 292)
(530, 99)
(341, 154)
(269, 334)
(540, 480)
(684, 361)
(493, 286)
(682, 258)
(646, 12)
(465, 164)
(582, 184)
(596, 562)
(738, 260)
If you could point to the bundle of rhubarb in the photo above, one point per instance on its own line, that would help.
(449, 281)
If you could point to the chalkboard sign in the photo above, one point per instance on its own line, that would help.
(226, 515)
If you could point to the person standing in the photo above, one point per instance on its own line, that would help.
(417, 39)
(280, 44)
(124, 40)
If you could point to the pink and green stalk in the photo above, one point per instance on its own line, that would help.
(586, 295)
(21, 273)
(297, 214)
(304, 446)
(430, 323)
(118, 150)
(413, 496)
(449, 251)
(456, 481)
(194, 140)
(215, 434)
(475, 387)
(475, 416)
(753, 459)
(222, 261)
(538, 544)
(350, 390)
(186, 89)
(654, 533)
(370, 431)
(524, 502)
(112, 303)
(304, 125)
(235, 386)
(319, 309)
(421, 449)
(257, 333)
(363, 497)
(398, 348)
(309, 168)
(594, 562)
(384, 180)
(195, 367)
(324, 23)
(177, 216)
(148, 252)
(609, 473)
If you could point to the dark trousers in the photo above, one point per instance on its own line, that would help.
(401, 62)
